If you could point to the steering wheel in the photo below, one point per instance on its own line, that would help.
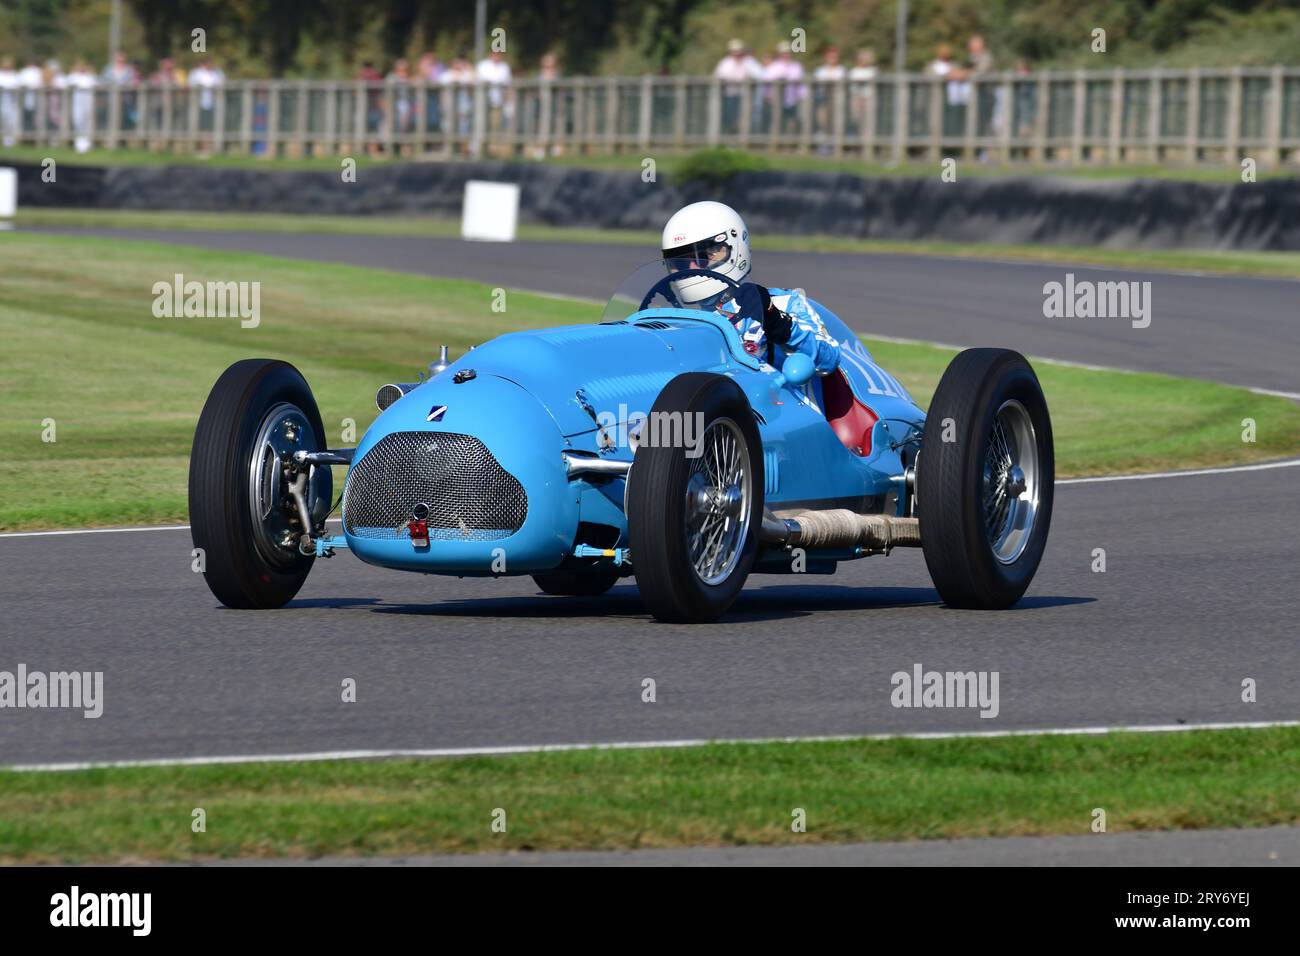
(664, 285)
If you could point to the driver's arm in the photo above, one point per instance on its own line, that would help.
(796, 328)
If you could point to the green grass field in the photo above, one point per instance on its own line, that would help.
(124, 389)
(1225, 261)
(715, 795)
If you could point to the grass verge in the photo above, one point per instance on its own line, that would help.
(124, 388)
(1285, 265)
(714, 795)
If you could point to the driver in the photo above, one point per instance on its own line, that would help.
(712, 236)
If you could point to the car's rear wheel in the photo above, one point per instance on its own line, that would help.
(242, 515)
(694, 506)
(984, 479)
(576, 583)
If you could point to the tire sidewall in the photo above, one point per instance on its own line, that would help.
(950, 476)
(713, 397)
(1017, 383)
(238, 571)
(282, 385)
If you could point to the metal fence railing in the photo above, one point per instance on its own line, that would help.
(1116, 116)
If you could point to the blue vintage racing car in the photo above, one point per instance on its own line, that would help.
(652, 444)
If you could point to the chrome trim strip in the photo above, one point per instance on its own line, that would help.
(335, 456)
(578, 465)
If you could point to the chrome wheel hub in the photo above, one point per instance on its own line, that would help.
(1016, 481)
(276, 525)
(718, 493)
(1012, 482)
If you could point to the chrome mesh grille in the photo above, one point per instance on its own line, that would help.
(470, 496)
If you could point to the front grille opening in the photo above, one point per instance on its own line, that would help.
(470, 496)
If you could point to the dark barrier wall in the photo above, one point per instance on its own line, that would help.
(1131, 213)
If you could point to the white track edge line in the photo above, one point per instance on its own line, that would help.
(1264, 466)
(1294, 396)
(317, 756)
(55, 534)
(161, 527)
(1053, 264)
(1227, 470)
(1088, 366)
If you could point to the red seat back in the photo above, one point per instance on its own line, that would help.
(851, 420)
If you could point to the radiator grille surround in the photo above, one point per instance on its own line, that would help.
(470, 496)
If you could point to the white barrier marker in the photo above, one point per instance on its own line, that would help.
(8, 196)
(491, 211)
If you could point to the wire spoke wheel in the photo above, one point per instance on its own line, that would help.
(1011, 482)
(984, 495)
(694, 508)
(717, 497)
(243, 518)
(276, 526)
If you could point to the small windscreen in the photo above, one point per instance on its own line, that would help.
(629, 294)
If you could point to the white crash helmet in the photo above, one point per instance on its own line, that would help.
(706, 235)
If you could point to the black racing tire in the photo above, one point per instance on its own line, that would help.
(983, 544)
(577, 583)
(241, 571)
(659, 483)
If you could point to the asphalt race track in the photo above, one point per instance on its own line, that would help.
(1199, 591)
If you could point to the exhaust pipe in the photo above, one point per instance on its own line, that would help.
(777, 531)
(840, 528)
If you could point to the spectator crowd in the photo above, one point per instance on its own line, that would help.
(22, 99)
(458, 79)
(780, 89)
(24, 95)
(44, 102)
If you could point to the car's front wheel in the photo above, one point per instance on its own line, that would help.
(695, 499)
(243, 516)
(984, 479)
